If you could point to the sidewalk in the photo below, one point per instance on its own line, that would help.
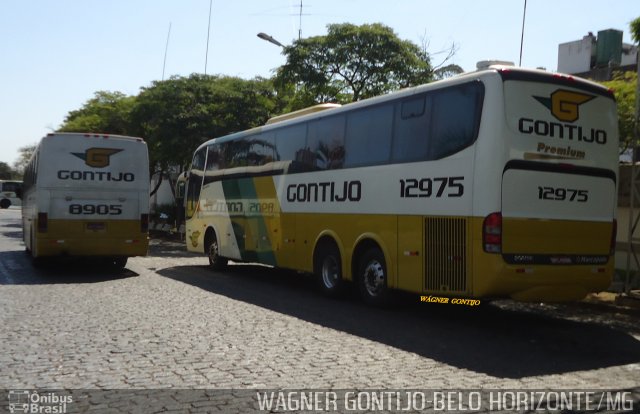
(618, 300)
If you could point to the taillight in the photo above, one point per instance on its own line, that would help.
(144, 223)
(492, 233)
(614, 233)
(43, 222)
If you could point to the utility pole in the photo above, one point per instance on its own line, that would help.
(206, 55)
(524, 14)
(300, 22)
(166, 49)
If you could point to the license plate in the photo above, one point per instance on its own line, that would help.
(96, 226)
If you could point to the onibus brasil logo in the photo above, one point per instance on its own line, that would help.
(26, 401)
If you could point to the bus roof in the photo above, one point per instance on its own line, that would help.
(301, 112)
(92, 135)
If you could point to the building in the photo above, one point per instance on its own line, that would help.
(597, 57)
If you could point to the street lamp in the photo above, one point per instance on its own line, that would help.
(269, 39)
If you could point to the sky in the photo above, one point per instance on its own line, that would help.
(55, 54)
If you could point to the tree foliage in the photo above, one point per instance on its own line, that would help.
(175, 116)
(23, 158)
(6, 173)
(634, 26)
(624, 89)
(107, 112)
(352, 63)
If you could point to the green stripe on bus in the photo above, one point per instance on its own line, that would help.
(244, 189)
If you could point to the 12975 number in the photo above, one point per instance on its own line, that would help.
(432, 187)
(563, 194)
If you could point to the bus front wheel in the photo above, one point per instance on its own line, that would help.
(328, 270)
(372, 278)
(216, 261)
(5, 203)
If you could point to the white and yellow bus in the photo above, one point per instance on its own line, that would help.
(495, 183)
(87, 195)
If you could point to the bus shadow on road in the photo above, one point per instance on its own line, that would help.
(504, 343)
(17, 234)
(169, 248)
(17, 268)
(83, 271)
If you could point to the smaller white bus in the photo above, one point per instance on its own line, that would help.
(10, 193)
(87, 195)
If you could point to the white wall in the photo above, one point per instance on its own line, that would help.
(575, 57)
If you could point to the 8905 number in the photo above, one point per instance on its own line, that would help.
(99, 209)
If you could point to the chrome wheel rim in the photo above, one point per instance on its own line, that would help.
(374, 278)
(330, 274)
(213, 252)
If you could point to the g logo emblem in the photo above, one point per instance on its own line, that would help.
(564, 105)
(97, 157)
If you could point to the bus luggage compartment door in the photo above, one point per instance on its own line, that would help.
(554, 214)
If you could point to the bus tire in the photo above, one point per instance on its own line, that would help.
(372, 278)
(216, 262)
(5, 203)
(328, 270)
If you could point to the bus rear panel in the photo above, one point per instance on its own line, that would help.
(552, 237)
(87, 195)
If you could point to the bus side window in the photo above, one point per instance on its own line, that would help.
(411, 130)
(325, 143)
(261, 149)
(215, 162)
(235, 152)
(368, 139)
(195, 182)
(455, 116)
(290, 146)
(290, 141)
(214, 158)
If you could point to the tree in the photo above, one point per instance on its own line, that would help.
(6, 173)
(176, 115)
(624, 89)
(447, 71)
(634, 26)
(352, 63)
(23, 159)
(107, 112)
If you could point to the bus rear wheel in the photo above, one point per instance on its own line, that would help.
(216, 262)
(5, 203)
(328, 270)
(372, 278)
